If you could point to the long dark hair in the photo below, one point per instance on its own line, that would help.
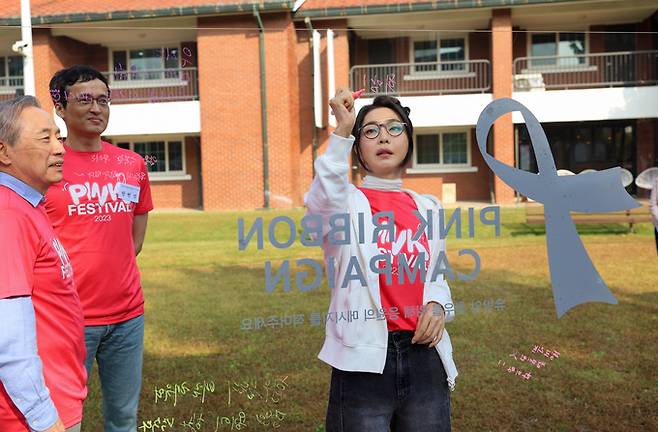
(403, 114)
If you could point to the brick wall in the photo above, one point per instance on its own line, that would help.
(503, 130)
(229, 91)
(180, 193)
(54, 53)
(471, 186)
(304, 58)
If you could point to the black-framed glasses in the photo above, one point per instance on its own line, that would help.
(394, 128)
(86, 100)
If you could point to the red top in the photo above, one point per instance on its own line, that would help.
(406, 224)
(92, 212)
(35, 264)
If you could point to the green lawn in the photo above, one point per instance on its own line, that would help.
(199, 287)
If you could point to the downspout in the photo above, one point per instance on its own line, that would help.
(314, 143)
(263, 110)
(517, 162)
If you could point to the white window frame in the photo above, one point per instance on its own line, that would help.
(144, 83)
(420, 75)
(418, 168)
(9, 89)
(164, 175)
(585, 67)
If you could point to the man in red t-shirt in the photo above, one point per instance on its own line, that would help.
(42, 349)
(100, 210)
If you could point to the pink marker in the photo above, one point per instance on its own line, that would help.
(357, 94)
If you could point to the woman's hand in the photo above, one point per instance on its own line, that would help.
(430, 325)
(343, 107)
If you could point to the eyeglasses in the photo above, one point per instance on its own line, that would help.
(85, 100)
(394, 128)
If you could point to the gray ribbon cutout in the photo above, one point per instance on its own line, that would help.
(573, 276)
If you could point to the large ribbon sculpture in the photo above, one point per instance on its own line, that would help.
(573, 276)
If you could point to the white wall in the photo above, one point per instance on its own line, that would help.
(151, 118)
(449, 110)
(547, 106)
(590, 104)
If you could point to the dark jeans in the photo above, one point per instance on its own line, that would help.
(411, 395)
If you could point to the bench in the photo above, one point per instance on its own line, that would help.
(534, 214)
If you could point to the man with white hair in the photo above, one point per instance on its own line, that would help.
(42, 348)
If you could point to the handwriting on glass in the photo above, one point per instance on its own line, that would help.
(273, 389)
(523, 358)
(376, 84)
(318, 318)
(150, 160)
(171, 392)
(238, 392)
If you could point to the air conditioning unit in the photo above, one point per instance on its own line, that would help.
(529, 82)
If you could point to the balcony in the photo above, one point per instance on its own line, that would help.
(433, 78)
(9, 86)
(611, 69)
(154, 85)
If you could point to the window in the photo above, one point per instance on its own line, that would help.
(427, 149)
(146, 64)
(454, 148)
(11, 71)
(563, 47)
(442, 149)
(166, 157)
(443, 52)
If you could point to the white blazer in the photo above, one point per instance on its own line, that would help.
(361, 345)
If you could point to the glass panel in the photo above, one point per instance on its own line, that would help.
(146, 60)
(156, 152)
(629, 145)
(15, 69)
(425, 51)
(427, 149)
(571, 44)
(175, 156)
(543, 44)
(120, 65)
(454, 148)
(583, 145)
(603, 145)
(15, 64)
(170, 55)
(453, 50)
(124, 145)
(3, 82)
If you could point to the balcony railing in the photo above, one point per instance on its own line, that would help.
(9, 85)
(612, 69)
(154, 85)
(402, 79)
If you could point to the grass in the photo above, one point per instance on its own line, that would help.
(199, 287)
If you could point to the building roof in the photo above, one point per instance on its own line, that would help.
(65, 11)
(337, 8)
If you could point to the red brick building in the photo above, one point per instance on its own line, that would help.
(226, 96)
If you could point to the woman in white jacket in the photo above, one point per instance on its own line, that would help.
(391, 357)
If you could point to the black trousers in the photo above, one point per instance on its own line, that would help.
(412, 394)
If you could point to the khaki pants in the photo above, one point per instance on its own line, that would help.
(75, 428)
